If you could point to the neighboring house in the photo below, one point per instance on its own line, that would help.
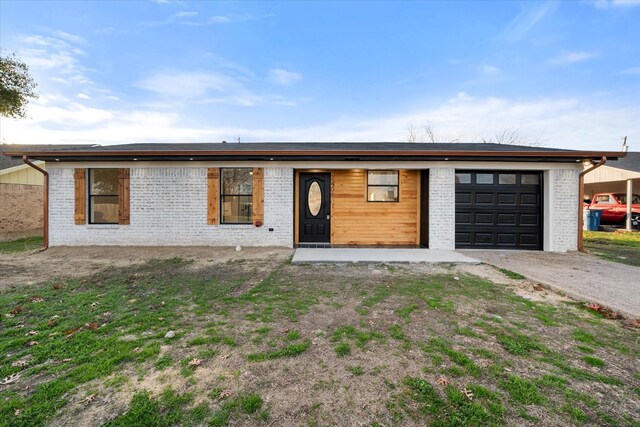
(441, 196)
(21, 194)
(614, 176)
(21, 198)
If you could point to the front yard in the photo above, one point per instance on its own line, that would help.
(623, 247)
(264, 342)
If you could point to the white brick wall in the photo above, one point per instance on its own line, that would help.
(442, 208)
(562, 210)
(169, 207)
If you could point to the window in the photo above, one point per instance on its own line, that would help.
(237, 196)
(103, 196)
(484, 178)
(463, 178)
(530, 179)
(604, 200)
(382, 186)
(635, 199)
(507, 178)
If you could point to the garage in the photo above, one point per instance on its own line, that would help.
(498, 209)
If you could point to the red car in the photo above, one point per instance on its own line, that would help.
(614, 208)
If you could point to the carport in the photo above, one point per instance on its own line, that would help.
(619, 176)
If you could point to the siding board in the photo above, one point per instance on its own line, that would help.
(213, 189)
(354, 221)
(123, 196)
(258, 197)
(80, 196)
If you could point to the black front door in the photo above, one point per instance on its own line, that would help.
(315, 208)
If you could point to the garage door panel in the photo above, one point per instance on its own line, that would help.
(529, 219)
(509, 199)
(507, 218)
(529, 199)
(463, 218)
(484, 198)
(499, 209)
(484, 218)
(507, 239)
(463, 197)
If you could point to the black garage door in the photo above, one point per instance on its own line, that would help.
(498, 209)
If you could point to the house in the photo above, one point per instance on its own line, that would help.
(22, 193)
(441, 196)
(614, 176)
(21, 198)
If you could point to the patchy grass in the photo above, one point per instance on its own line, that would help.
(439, 348)
(512, 274)
(593, 361)
(22, 245)
(292, 350)
(614, 246)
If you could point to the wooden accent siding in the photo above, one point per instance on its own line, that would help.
(354, 221)
(80, 197)
(213, 189)
(258, 197)
(123, 196)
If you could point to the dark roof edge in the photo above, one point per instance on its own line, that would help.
(282, 154)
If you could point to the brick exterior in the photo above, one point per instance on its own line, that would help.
(442, 208)
(563, 209)
(169, 207)
(21, 210)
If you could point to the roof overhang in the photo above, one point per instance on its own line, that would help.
(18, 168)
(346, 155)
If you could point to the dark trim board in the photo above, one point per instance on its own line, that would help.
(499, 216)
(424, 208)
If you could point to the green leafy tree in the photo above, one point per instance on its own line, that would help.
(17, 87)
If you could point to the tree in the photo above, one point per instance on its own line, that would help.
(508, 136)
(512, 136)
(17, 87)
(427, 134)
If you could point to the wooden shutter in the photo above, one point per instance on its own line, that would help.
(80, 186)
(213, 188)
(123, 196)
(258, 197)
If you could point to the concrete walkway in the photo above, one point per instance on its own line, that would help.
(581, 276)
(376, 255)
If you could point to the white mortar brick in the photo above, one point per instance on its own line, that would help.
(169, 207)
(442, 208)
(564, 209)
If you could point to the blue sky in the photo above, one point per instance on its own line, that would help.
(563, 74)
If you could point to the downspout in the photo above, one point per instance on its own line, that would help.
(602, 161)
(46, 201)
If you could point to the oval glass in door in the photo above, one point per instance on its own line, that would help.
(314, 198)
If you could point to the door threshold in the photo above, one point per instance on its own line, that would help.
(314, 245)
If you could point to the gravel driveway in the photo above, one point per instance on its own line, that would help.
(578, 275)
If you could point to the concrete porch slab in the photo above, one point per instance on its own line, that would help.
(378, 255)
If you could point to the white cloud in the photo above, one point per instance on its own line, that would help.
(83, 96)
(58, 58)
(564, 123)
(490, 70)
(283, 77)
(630, 70)
(530, 14)
(185, 14)
(187, 85)
(606, 4)
(212, 87)
(568, 58)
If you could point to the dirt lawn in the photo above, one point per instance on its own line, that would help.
(203, 336)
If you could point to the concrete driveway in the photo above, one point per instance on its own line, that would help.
(578, 275)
